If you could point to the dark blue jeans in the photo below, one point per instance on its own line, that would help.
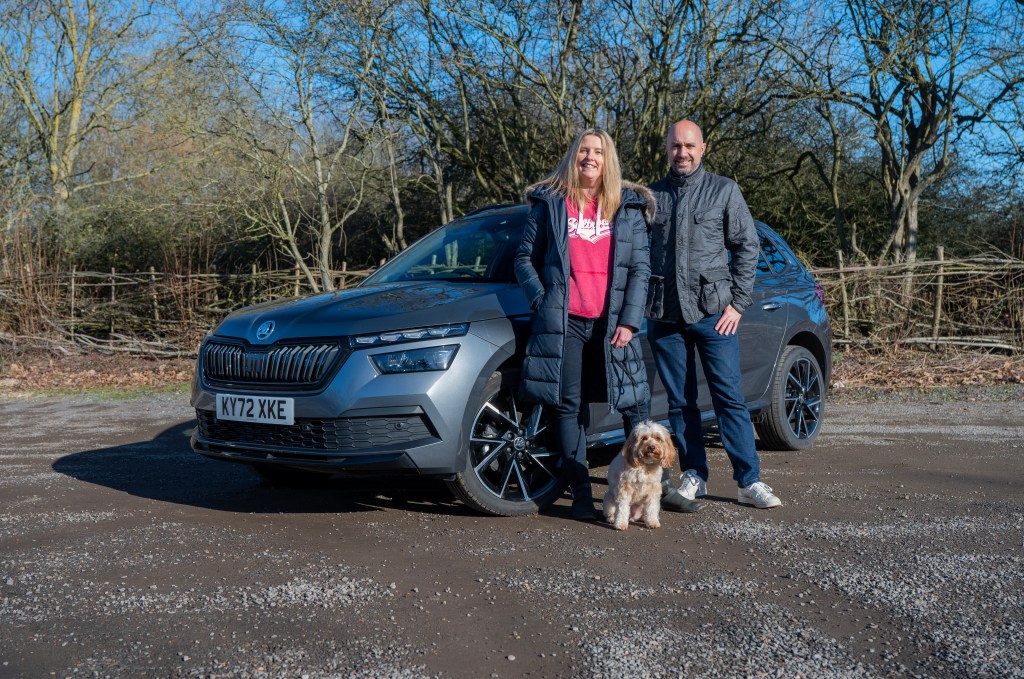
(584, 346)
(676, 347)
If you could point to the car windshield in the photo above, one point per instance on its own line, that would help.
(470, 250)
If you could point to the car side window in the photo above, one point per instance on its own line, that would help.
(771, 260)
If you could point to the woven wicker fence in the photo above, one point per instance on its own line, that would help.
(976, 302)
(150, 312)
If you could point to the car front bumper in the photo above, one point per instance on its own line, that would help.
(362, 421)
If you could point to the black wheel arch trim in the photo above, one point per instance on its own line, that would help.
(498, 362)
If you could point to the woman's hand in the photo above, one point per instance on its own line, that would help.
(623, 334)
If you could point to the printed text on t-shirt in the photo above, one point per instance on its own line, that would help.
(588, 230)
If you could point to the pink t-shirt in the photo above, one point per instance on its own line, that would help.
(590, 260)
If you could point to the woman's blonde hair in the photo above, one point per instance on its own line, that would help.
(565, 179)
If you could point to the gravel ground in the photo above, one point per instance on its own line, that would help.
(899, 551)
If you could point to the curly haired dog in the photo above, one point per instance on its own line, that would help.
(634, 477)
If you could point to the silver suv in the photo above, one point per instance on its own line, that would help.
(415, 372)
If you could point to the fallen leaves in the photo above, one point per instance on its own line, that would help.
(91, 371)
(906, 368)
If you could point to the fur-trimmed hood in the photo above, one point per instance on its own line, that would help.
(643, 195)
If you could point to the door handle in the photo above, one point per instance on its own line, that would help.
(771, 306)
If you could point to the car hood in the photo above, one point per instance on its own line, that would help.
(375, 308)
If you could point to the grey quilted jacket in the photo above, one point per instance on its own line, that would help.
(700, 219)
(542, 269)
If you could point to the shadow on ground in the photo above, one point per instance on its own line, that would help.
(166, 469)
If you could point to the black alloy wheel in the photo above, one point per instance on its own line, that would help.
(793, 420)
(509, 469)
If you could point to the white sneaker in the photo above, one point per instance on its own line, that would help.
(692, 486)
(758, 494)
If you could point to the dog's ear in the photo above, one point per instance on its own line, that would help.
(669, 453)
(632, 452)
(668, 460)
(631, 448)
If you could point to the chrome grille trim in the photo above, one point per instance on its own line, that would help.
(294, 366)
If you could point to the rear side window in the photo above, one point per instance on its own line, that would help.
(772, 260)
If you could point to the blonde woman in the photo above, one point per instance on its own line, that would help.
(583, 265)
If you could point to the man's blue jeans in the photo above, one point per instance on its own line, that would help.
(676, 347)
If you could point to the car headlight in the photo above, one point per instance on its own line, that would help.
(411, 335)
(416, 360)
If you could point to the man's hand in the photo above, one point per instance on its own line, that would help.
(622, 336)
(729, 321)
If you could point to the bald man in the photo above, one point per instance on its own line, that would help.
(702, 219)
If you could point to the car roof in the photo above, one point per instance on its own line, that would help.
(496, 207)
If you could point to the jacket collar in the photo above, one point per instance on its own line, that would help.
(685, 180)
(540, 192)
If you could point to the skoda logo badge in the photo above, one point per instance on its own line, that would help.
(264, 331)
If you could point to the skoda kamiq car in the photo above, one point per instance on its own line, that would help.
(415, 371)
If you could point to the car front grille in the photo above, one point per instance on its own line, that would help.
(345, 433)
(291, 366)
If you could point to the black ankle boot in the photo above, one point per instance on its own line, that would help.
(577, 473)
(672, 500)
(583, 503)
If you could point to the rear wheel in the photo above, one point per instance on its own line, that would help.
(509, 470)
(793, 419)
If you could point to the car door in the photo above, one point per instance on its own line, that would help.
(764, 323)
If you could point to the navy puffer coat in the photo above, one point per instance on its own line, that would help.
(542, 269)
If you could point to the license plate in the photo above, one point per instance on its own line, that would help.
(264, 409)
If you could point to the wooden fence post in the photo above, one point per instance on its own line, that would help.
(74, 272)
(152, 294)
(937, 316)
(252, 288)
(296, 290)
(343, 280)
(845, 297)
(113, 297)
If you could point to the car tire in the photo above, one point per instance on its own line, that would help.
(793, 418)
(509, 470)
(288, 477)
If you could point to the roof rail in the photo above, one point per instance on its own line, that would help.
(492, 206)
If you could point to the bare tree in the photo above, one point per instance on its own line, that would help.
(394, 239)
(811, 51)
(645, 54)
(77, 68)
(294, 72)
(400, 85)
(930, 79)
(16, 169)
(490, 90)
(381, 30)
(494, 91)
(698, 59)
